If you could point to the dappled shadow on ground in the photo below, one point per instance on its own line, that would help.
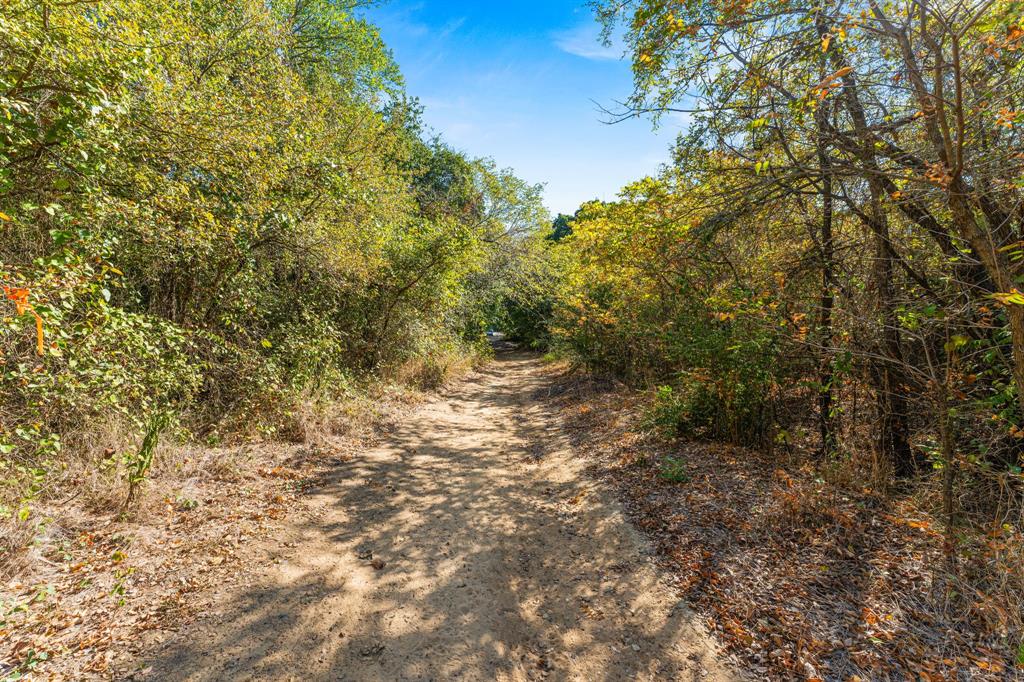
(493, 561)
(803, 578)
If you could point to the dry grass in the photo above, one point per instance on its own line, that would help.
(90, 482)
(111, 577)
(316, 420)
(92, 487)
(432, 371)
(15, 539)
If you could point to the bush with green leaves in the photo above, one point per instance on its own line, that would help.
(646, 298)
(213, 210)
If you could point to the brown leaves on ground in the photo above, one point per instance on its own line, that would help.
(97, 589)
(106, 589)
(800, 578)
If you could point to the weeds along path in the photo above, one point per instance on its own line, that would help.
(468, 547)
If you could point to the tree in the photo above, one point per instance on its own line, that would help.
(834, 100)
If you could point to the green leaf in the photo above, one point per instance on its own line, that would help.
(957, 342)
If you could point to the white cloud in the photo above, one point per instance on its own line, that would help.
(585, 41)
(407, 20)
(450, 27)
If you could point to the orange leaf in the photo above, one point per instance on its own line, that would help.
(19, 296)
(39, 334)
(845, 71)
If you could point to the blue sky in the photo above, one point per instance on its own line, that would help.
(520, 82)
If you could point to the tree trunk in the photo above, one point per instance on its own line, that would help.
(891, 405)
(893, 435)
(826, 373)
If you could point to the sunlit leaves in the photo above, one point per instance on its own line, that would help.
(211, 207)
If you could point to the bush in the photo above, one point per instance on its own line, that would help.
(667, 412)
(179, 240)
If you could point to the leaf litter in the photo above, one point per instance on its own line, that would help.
(799, 579)
(101, 589)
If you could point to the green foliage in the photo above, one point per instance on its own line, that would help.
(651, 299)
(666, 412)
(137, 465)
(526, 319)
(726, 389)
(561, 228)
(674, 470)
(213, 209)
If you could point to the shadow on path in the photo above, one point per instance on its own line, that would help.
(500, 562)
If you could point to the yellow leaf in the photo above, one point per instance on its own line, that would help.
(826, 40)
(4, 216)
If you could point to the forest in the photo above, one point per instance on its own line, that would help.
(221, 220)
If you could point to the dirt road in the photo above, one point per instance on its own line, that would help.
(470, 546)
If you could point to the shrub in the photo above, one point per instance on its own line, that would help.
(674, 470)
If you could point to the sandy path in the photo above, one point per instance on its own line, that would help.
(502, 562)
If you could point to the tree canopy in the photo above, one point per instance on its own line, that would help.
(211, 209)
